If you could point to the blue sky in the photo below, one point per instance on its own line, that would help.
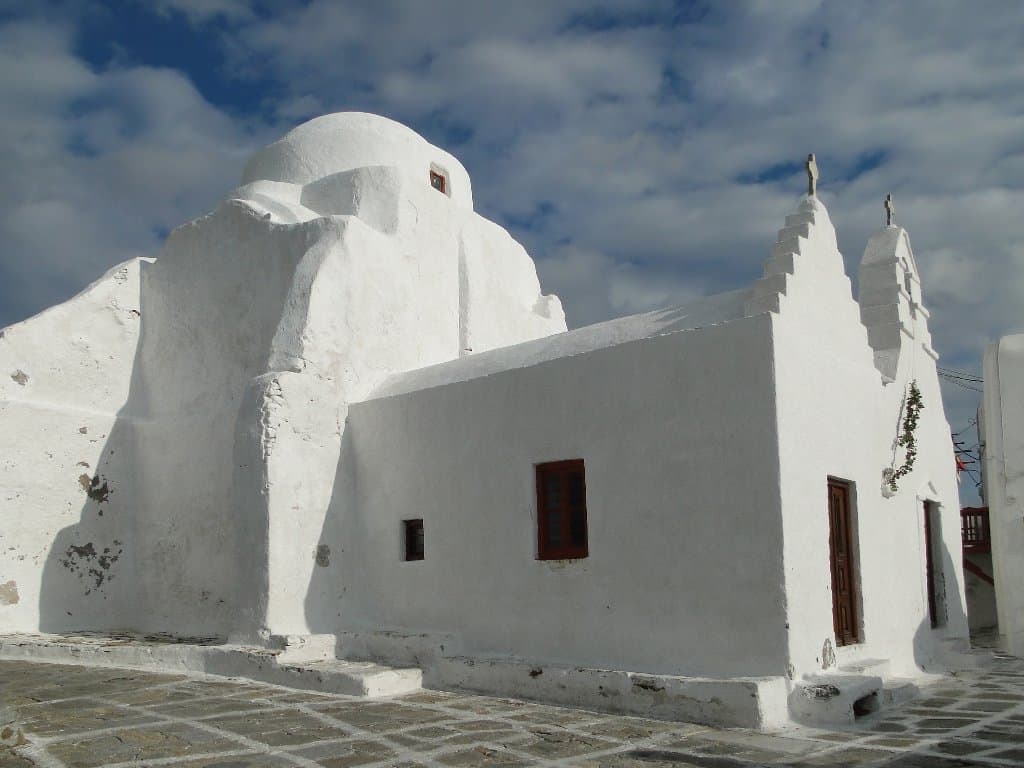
(644, 152)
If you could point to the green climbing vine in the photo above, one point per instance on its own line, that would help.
(911, 411)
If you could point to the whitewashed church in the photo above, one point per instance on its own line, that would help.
(337, 419)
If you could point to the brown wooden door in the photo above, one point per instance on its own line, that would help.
(841, 558)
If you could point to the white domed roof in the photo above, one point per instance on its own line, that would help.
(346, 140)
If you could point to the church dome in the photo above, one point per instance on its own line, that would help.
(344, 141)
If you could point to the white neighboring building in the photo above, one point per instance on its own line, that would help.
(1002, 439)
(339, 405)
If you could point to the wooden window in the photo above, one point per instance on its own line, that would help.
(413, 539)
(561, 510)
(843, 564)
(439, 182)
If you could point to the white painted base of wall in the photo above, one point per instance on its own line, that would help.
(758, 703)
(748, 702)
(399, 649)
(352, 678)
(295, 649)
(956, 653)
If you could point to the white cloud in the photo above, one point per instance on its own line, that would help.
(97, 165)
(636, 136)
(593, 287)
(201, 11)
(633, 136)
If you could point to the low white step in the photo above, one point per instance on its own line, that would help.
(835, 699)
(876, 667)
(743, 702)
(897, 690)
(352, 678)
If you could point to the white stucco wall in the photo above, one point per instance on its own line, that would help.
(67, 485)
(837, 419)
(1003, 438)
(677, 434)
(213, 303)
(981, 596)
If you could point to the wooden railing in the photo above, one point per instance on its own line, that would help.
(975, 533)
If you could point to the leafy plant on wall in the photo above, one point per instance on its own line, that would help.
(912, 407)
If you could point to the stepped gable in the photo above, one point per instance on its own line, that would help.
(808, 233)
(805, 277)
(890, 299)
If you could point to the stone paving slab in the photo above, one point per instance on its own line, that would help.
(79, 716)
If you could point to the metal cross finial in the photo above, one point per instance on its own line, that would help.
(890, 209)
(812, 176)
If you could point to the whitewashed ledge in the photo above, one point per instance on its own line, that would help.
(208, 656)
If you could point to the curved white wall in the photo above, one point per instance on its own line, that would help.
(347, 140)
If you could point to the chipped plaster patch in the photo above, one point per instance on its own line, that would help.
(323, 555)
(95, 487)
(88, 564)
(9, 593)
(828, 654)
(20, 377)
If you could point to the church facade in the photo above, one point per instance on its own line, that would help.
(339, 408)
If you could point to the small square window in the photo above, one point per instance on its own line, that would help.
(439, 182)
(413, 539)
(561, 510)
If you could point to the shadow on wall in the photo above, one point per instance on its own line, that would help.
(88, 580)
(933, 653)
(931, 650)
(325, 598)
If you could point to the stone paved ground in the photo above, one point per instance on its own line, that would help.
(89, 716)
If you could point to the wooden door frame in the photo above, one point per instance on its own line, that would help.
(930, 510)
(855, 635)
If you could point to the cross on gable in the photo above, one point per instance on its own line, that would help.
(812, 175)
(890, 209)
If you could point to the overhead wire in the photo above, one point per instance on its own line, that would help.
(972, 379)
(958, 372)
(959, 383)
